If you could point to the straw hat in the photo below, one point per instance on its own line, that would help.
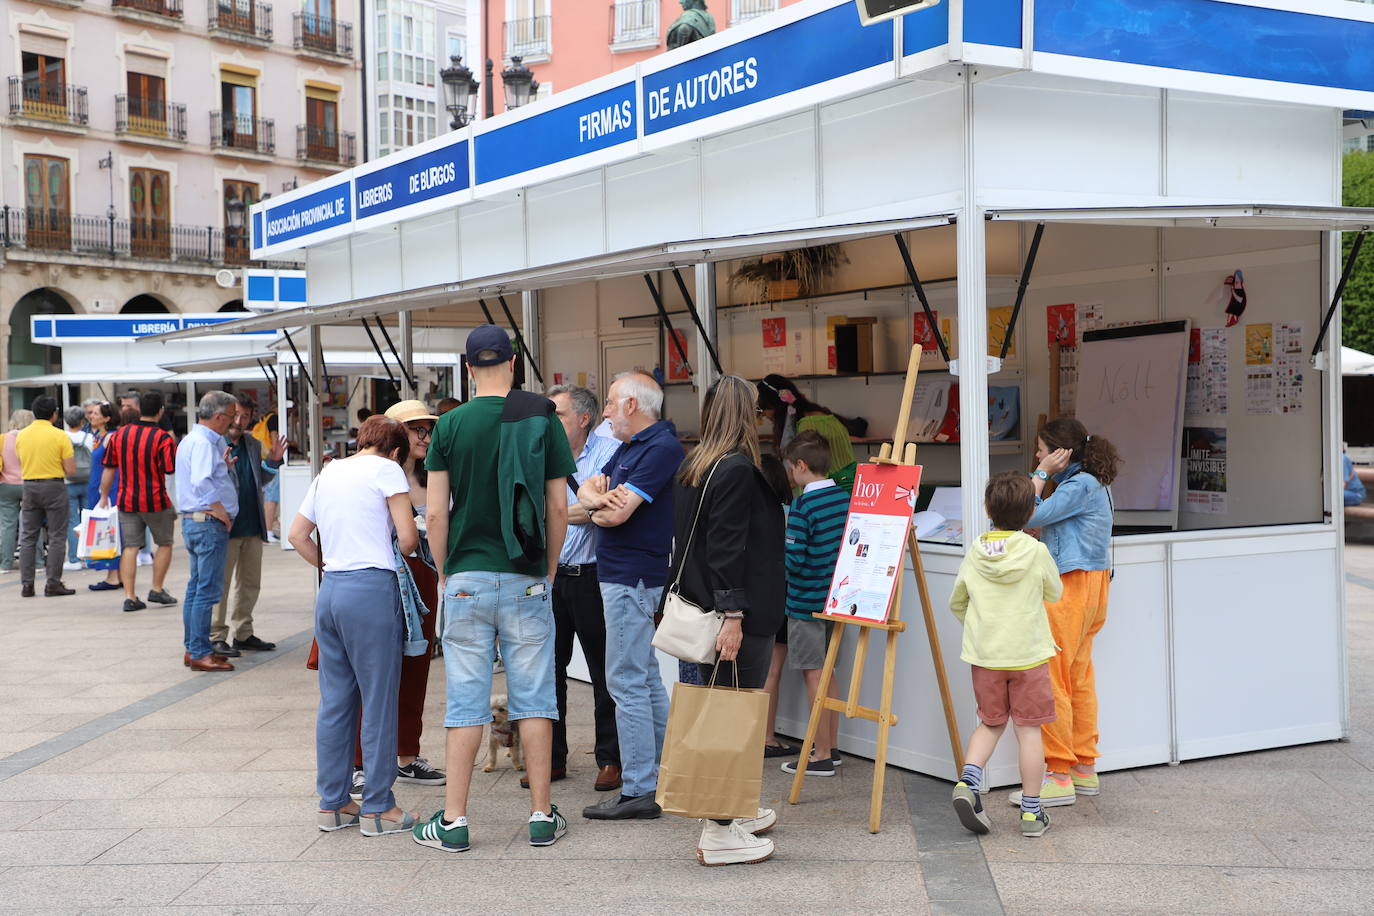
(408, 411)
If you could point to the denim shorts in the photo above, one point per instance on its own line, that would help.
(479, 609)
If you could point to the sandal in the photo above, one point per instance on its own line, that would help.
(779, 750)
(376, 825)
(329, 821)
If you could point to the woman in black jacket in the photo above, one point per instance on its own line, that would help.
(734, 565)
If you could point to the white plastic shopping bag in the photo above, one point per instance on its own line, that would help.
(97, 537)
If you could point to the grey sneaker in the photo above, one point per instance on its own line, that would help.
(1033, 825)
(968, 804)
(356, 792)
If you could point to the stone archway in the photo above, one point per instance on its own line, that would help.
(233, 305)
(144, 304)
(25, 357)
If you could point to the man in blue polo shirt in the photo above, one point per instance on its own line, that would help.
(631, 503)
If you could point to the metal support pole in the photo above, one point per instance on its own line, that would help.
(1336, 298)
(486, 311)
(534, 335)
(702, 337)
(520, 339)
(315, 432)
(921, 295)
(386, 335)
(667, 324)
(305, 371)
(190, 406)
(1021, 289)
(704, 311)
(382, 359)
(406, 333)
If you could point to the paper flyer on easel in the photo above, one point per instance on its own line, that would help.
(875, 536)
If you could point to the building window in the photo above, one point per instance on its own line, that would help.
(322, 129)
(634, 24)
(45, 85)
(47, 202)
(744, 10)
(239, 102)
(236, 240)
(149, 211)
(528, 29)
(147, 103)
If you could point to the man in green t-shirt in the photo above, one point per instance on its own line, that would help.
(503, 461)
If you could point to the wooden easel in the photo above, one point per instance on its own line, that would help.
(883, 715)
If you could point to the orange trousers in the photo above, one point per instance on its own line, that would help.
(1074, 620)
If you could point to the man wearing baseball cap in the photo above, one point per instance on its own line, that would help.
(503, 459)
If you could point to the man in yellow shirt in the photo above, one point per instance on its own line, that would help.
(47, 459)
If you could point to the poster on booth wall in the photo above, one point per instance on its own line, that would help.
(774, 332)
(1289, 368)
(1207, 372)
(1260, 389)
(1061, 326)
(677, 366)
(999, 326)
(923, 334)
(875, 536)
(1204, 454)
(830, 323)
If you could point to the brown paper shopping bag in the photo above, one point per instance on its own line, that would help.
(712, 762)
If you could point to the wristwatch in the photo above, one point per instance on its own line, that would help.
(1039, 473)
(734, 615)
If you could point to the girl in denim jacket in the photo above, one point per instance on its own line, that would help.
(1076, 526)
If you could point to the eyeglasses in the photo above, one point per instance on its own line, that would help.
(421, 432)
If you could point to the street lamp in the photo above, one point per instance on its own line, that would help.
(459, 88)
(519, 82)
(234, 210)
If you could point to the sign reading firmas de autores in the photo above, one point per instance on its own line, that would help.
(875, 533)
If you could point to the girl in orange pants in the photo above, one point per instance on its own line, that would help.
(1076, 525)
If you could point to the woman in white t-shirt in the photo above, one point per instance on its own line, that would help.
(358, 504)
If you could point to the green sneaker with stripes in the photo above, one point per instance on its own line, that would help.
(545, 829)
(434, 834)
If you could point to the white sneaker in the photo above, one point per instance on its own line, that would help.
(72, 567)
(355, 791)
(145, 559)
(731, 844)
(760, 823)
(272, 538)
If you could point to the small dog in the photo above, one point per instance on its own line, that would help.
(503, 733)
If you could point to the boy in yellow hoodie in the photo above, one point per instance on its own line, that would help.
(999, 596)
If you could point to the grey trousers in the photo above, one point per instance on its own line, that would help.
(44, 503)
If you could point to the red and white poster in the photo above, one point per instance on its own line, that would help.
(677, 367)
(1062, 325)
(774, 333)
(923, 333)
(871, 553)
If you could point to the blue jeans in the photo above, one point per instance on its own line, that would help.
(359, 632)
(633, 678)
(479, 609)
(76, 501)
(207, 549)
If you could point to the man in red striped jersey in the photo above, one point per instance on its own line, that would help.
(144, 454)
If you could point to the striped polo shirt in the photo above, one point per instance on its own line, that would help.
(815, 527)
(144, 454)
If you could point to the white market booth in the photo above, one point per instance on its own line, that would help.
(1164, 146)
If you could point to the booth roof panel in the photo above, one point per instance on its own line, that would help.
(219, 363)
(77, 376)
(1253, 216)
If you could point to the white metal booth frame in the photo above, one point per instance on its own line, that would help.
(1156, 139)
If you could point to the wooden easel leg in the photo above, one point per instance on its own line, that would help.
(832, 652)
(875, 806)
(937, 657)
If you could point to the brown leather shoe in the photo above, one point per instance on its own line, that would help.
(186, 658)
(554, 776)
(209, 663)
(608, 778)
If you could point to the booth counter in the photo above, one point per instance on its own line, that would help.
(1105, 165)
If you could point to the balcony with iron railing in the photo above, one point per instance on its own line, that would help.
(166, 13)
(320, 36)
(151, 119)
(322, 146)
(243, 21)
(240, 134)
(634, 25)
(48, 104)
(61, 233)
(529, 38)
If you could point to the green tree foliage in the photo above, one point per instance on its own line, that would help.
(1357, 308)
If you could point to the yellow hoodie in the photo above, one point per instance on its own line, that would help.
(1000, 596)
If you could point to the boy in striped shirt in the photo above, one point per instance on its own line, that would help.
(815, 527)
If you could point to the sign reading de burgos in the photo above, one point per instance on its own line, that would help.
(424, 177)
(308, 214)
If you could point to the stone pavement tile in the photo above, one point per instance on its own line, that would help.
(136, 812)
(172, 761)
(227, 716)
(240, 910)
(1341, 813)
(1190, 779)
(14, 814)
(1205, 814)
(1292, 890)
(12, 742)
(74, 786)
(952, 877)
(1315, 848)
(58, 847)
(65, 722)
(490, 843)
(220, 844)
(284, 758)
(674, 885)
(267, 737)
(10, 675)
(1085, 812)
(967, 908)
(1176, 846)
(356, 885)
(46, 689)
(128, 739)
(130, 691)
(213, 699)
(39, 888)
(895, 842)
(303, 719)
(1005, 843)
(91, 706)
(666, 838)
(1323, 755)
(243, 785)
(1098, 888)
(23, 722)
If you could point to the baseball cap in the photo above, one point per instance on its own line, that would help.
(489, 337)
(407, 411)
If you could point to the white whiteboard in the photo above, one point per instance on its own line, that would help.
(1131, 385)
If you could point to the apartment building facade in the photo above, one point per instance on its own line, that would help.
(567, 42)
(135, 135)
(409, 43)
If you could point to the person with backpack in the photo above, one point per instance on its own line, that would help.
(83, 446)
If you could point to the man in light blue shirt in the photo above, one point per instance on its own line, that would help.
(577, 609)
(207, 501)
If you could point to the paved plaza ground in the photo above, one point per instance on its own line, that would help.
(129, 783)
